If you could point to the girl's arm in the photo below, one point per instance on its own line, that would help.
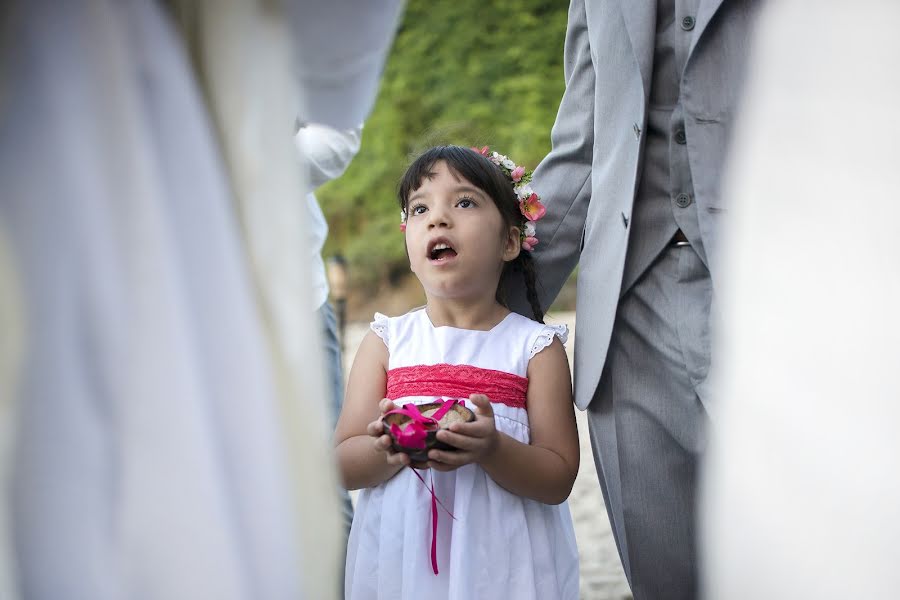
(543, 470)
(363, 457)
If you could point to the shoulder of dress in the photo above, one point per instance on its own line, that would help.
(381, 325)
(541, 335)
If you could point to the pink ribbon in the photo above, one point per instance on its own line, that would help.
(434, 518)
(413, 436)
(416, 431)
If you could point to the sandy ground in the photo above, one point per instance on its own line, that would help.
(601, 571)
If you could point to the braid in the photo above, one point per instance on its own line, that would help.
(531, 285)
(523, 264)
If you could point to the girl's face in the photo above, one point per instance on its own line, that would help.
(456, 238)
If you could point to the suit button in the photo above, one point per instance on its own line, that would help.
(687, 23)
(682, 200)
(680, 137)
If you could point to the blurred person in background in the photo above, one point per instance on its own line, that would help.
(163, 375)
(802, 483)
(326, 153)
(338, 284)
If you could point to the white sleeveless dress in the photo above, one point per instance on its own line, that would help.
(499, 545)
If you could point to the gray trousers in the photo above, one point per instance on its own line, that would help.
(647, 423)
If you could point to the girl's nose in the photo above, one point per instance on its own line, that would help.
(438, 217)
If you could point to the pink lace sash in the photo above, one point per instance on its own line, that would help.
(457, 381)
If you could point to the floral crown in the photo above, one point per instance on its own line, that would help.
(529, 202)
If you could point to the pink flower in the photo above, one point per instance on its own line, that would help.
(517, 173)
(484, 151)
(532, 208)
(403, 227)
(529, 243)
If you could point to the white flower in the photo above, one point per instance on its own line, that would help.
(402, 215)
(529, 229)
(502, 161)
(523, 191)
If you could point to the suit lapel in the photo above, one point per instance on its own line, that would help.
(705, 14)
(640, 21)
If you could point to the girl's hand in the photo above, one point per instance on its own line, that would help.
(474, 441)
(382, 441)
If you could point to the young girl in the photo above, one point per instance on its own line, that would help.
(489, 519)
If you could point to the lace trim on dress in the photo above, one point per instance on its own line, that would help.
(545, 338)
(380, 327)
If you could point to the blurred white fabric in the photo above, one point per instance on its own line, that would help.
(327, 153)
(802, 488)
(341, 46)
(242, 54)
(167, 381)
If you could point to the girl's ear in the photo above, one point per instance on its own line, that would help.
(513, 244)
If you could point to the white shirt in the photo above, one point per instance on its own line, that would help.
(327, 153)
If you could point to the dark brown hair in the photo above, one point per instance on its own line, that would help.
(488, 177)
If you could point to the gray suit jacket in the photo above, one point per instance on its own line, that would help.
(589, 179)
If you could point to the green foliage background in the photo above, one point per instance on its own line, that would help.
(470, 72)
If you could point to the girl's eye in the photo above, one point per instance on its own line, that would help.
(417, 210)
(465, 203)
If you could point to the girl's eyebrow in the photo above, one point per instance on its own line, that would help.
(456, 190)
(468, 188)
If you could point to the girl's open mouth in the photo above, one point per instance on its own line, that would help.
(440, 251)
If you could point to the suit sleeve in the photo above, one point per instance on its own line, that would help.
(563, 179)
